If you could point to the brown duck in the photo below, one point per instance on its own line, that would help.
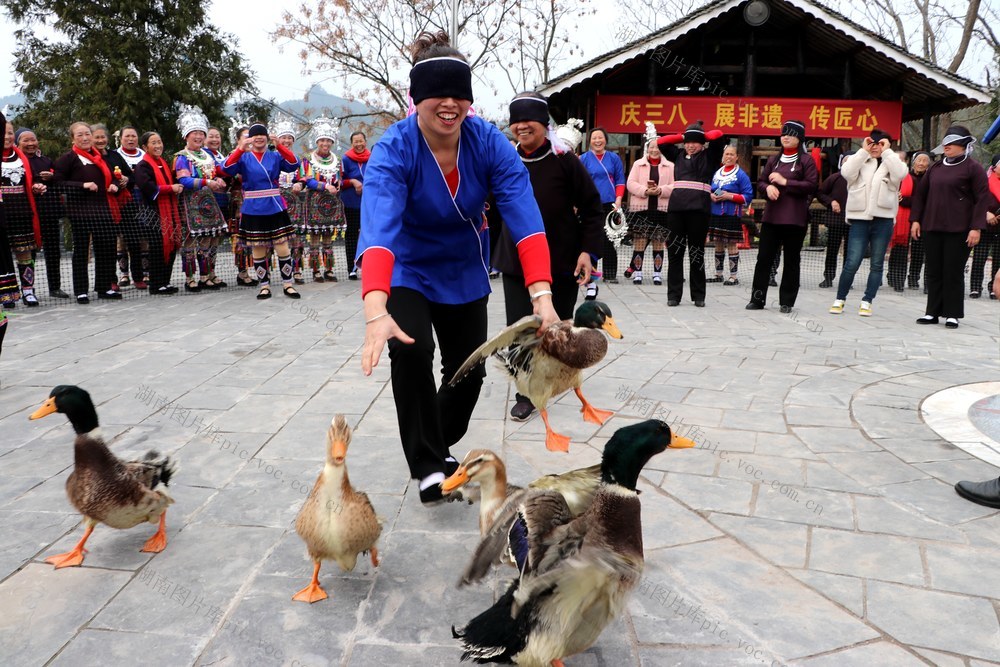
(336, 522)
(102, 487)
(547, 365)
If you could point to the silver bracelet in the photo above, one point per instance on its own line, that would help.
(543, 292)
(377, 317)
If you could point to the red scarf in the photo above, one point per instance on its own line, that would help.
(30, 181)
(360, 158)
(166, 201)
(95, 156)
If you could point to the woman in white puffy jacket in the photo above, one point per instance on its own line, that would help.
(873, 176)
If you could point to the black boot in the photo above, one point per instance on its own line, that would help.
(981, 493)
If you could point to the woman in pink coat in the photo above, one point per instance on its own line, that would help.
(649, 184)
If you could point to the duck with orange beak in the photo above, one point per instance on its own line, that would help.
(102, 487)
(543, 366)
(336, 522)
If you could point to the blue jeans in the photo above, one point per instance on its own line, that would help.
(876, 231)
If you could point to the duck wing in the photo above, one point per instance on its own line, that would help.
(514, 344)
(152, 471)
(575, 347)
(520, 528)
(578, 486)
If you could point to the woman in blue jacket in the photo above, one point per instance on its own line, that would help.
(609, 176)
(424, 253)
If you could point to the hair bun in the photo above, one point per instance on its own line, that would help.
(429, 44)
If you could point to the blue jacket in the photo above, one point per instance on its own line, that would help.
(356, 172)
(261, 175)
(608, 173)
(738, 184)
(440, 244)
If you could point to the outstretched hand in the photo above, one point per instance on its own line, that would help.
(376, 335)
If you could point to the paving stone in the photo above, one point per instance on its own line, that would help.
(920, 451)
(955, 470)
(54, 604)
(939, 659)
(815, 416)
(878, 653)
(758, 421)
(176, 593)
(820, 474)
(710, 493)
(874, 468)
(97, 647)
(245, 415)
(826, 439)
(863, 555)
(781, 543)
(666, 523)
(936, 500)
(760, 603)
(784, 446)
(844, 590)
(928, 618)
(962, 569)
(365, 655)
(777, 500)
(877, 515)
(686, 657)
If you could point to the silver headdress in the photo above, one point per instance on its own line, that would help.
(283, 125)
(234, 126)
(190, 119)
(649, 136)
(570, 133)
(325, 128)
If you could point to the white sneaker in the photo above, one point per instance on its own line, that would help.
(838, 307)
(865, 309)
(591, 292)
(637, 278)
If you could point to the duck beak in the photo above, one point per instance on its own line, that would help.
(457, 479)
(612, 328)
(338, 451)
(48, 407)
(680, 442)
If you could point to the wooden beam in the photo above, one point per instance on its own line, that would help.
(749, 75)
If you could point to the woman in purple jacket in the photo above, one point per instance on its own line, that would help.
(949, 211)
(788, 180)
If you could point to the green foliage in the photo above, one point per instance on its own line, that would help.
(121, 62)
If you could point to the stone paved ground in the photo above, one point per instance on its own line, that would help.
(815, 525)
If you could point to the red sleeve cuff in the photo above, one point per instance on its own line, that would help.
(619, 191)
(670, 139)
(233, 158)
(165, 189)
(533, 252)
(287, 154)
(712, 135)
(347, 183)
(738, 199)
(377, 272)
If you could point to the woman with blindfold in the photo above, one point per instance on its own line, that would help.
(424, 252)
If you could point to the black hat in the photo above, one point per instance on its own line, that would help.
(794, 128)
(529, 108)
(695, 132)
(878, 135)
(257, 130)
(995, 160)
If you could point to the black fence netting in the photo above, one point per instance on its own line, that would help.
(75, 243)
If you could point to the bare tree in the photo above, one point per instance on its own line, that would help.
(366, 45)
(649, 16)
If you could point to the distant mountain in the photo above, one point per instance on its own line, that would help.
(11, 101)
(317, 102)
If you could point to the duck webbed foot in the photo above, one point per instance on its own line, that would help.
(313, 592)
(592, 414)
(554, 442)
(158, 542)
(74, 557)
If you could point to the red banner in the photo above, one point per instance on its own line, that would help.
(750, 116)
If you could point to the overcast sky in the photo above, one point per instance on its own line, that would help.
(279, 70)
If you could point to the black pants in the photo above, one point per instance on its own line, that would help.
(944, 276)
(51, 244)
(836, 235)
(352, 218)
(686, 230)
(518, 301)
(104, 235)
(916, 260)
(609, 260)
(431, 420)
(772, 238)
(160, 269)
(988, 246)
